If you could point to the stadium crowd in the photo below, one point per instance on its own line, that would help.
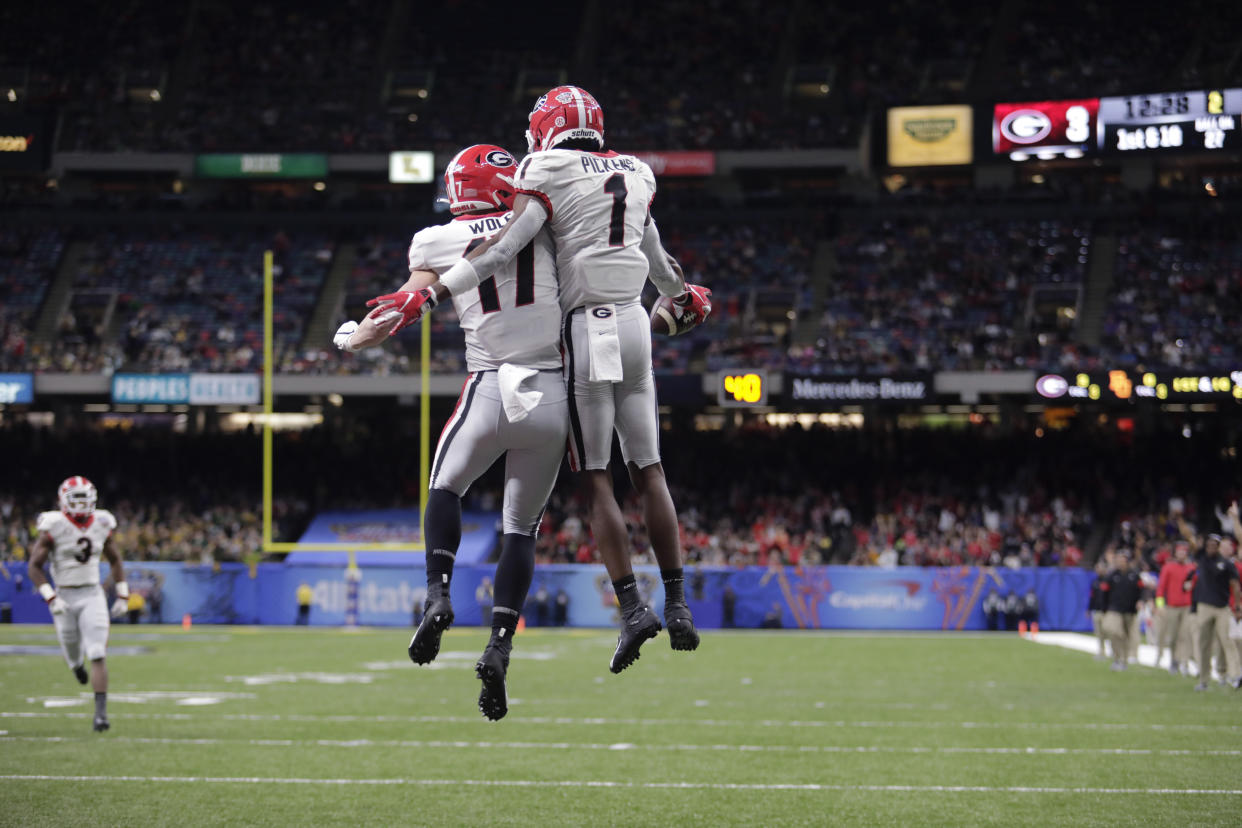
(904, 293)
(207, 77)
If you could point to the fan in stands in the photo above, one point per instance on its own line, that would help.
(672, 317)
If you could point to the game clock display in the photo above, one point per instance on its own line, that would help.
(1204, 120)
(1198, 121)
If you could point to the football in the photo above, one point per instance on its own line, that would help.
(665, 321)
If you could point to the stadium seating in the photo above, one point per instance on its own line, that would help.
(27, 261)
(928, 294)
(1177, 296)
(184, 301)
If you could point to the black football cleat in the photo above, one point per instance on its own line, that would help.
(101, 724)
(437, 617)
(491, 669)
(680, 623)
(636, 627)
(79, 673)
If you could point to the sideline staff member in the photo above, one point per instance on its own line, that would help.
(1121, 621)
(1215, 581)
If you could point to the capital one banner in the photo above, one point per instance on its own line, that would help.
(822, 597)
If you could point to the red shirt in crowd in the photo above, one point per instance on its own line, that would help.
(1169, 587)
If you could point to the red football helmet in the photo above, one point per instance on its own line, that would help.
(480, 178)
(565, 113)
(77, 497)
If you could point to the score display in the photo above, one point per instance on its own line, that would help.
(1045, 129)
(1204, 120)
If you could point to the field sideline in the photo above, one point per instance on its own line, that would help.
(282, 726)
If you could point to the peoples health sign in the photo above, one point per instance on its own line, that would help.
(16, 389)
(194, 389)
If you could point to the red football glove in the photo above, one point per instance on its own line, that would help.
(409, 305)
(693, 307)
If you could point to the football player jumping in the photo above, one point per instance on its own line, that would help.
(75, 538)
(513, 402)
(596, 205)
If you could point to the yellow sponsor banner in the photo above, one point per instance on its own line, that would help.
(924, 136)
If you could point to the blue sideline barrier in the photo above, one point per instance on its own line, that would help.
(826, 597)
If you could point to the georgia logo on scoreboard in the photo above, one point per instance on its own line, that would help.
(1026, 126)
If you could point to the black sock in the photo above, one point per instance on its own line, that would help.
(504, 625)
(442, 535)
(101, 704)
(674, 586)
(627, 593)
(514, 572)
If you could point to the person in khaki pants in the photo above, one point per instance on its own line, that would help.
(1173, 605)
(1215, 583)
(1124, 589)
(1097, 604)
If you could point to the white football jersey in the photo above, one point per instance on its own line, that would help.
(598, 205)
(513, 315)
(75, 556)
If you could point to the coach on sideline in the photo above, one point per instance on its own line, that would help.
(1124, 589)
(1215, 581)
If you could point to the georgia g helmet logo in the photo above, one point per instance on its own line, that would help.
(476, 179)
(499, 158)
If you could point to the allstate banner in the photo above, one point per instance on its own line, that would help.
(16, 389)
(825, 597)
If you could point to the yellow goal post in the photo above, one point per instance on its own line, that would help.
(424, 437)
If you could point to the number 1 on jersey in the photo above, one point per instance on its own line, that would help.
(615, 185)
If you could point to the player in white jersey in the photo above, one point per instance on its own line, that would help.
(74, 539)
(596, 205)
(513, 402)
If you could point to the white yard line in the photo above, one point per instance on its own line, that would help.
(1084, 643)
(637, 722)
(585, 783)
(623, 746)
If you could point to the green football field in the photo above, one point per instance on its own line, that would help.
(275, 726)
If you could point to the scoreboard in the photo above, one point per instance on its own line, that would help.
(1204, 120)
(1188, 121)
(1045, 129)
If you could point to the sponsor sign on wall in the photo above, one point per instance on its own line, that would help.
(833, 389)
(924, 136)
